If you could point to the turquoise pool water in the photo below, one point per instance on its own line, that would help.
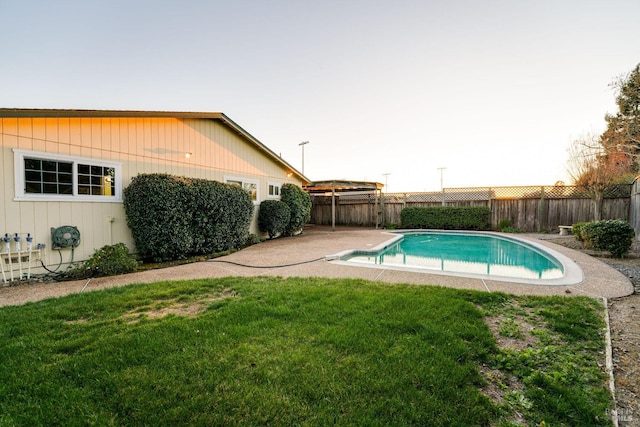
(470, 254)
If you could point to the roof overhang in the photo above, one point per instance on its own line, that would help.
(60, 113)
(339, 186)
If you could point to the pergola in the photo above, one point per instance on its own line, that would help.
(341, 186)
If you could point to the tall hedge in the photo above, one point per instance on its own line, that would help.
(221, 216)
(299, 203)
(446, 217)
(157, 216)
(174, 217)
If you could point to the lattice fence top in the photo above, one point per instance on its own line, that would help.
(480, 193)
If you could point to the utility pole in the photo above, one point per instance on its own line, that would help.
(441, 169)
(302, 144)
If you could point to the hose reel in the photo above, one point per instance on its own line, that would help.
(67, 236)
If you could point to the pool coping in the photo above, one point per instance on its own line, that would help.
(572, 273)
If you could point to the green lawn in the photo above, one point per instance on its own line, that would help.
(270, 351)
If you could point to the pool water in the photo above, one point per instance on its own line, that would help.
(475, 254)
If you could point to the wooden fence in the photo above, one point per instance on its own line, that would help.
(532, 209)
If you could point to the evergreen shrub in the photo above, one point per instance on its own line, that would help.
(576, 230)
(173, 217)
(273, 217)
(446, 217)
(613, 235)
(107, 261)
(299, 203)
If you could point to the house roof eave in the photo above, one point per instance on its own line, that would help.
(222, 118)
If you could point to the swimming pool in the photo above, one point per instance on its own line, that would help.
(484, 255)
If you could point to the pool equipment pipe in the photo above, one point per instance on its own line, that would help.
(29, 242)
(16, 238)
(7, 242)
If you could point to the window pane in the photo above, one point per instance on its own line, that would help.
(83, 169)
(32, 164)
(65, 178)
(48, 165)
(50, 188)
(50, 177)
(33, 175)
(33, 187)
(252, 189)
(65, 189)
(65, 167)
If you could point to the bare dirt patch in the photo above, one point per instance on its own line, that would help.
(514, 330)
(163, 308)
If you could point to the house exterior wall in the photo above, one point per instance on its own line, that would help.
(142, 145)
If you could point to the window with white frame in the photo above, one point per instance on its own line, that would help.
(247, 185)
(273, 190)
(54, 177)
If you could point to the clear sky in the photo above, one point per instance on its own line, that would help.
(493, 91)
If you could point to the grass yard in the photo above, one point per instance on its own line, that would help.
(270, 351)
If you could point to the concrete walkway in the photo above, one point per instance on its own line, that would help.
(304, 256)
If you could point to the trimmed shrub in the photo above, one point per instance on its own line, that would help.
(615, 236)
(173, 217)
(221, 216)
(158, 216)
(107, 261)
(299, 204)
(273, 217)
(576, 230)
(446, 217)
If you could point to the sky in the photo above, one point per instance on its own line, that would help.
(415, 94)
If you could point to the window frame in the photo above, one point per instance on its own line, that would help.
(235, 180)
(274, 185)
(20, 155)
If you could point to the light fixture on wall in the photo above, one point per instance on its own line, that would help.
(188, 154)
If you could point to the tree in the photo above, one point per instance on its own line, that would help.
(596, 170)
(623, 128)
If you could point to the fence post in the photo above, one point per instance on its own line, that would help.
(541, 210)
(384, 219)
(333, 206)
(490, 205)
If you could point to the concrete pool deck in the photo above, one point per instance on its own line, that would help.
(304, 256)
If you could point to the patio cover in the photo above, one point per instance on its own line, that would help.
(340, 186)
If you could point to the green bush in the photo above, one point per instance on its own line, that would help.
(446, 217)
(504, 224)
(158, 217)
(299, 204)
(107, 261)
(615, 236)
(221, 216)
(174, 217)
(273, 217)
(576, 230)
